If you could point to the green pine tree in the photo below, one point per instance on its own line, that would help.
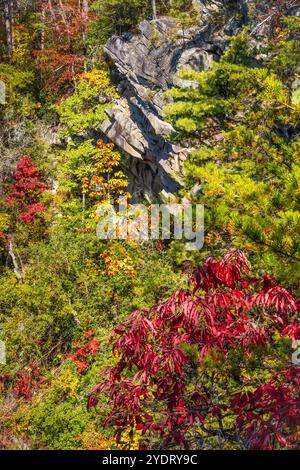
(244, 124)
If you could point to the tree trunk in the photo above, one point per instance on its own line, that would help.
(18, 270)
(245, 11)
(154, 14)
(85, 17)
(8, 16)
(43, 18)
(85, 21)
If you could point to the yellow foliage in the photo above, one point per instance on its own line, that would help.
(130, 439)
(107, 182)
(117, 260)
(212, 238)
(66, 383)
(22, 40)
(4, 221)
(90, 439)
(100, 79)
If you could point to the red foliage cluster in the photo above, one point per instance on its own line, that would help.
(84, 351)
(279, 399)
(224, 310)
(25, 191)
(65, 28)
(27, 381)
(59, 69)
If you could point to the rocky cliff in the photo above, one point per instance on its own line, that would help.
(147, 64)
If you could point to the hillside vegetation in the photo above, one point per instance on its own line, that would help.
(121, 344)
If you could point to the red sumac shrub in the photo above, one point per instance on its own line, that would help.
(83, 352)
(27, 381)
(24, 193)
(211, 366)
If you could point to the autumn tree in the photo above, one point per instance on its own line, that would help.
(210, 367)
(20, 24)
(90, 167)
(106, 182)
(21, 203)
(63, 43)
(23, 195)
(8, 7)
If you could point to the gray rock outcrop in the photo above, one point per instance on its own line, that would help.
(148, 63)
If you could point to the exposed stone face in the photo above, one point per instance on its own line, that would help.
(148, 64)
